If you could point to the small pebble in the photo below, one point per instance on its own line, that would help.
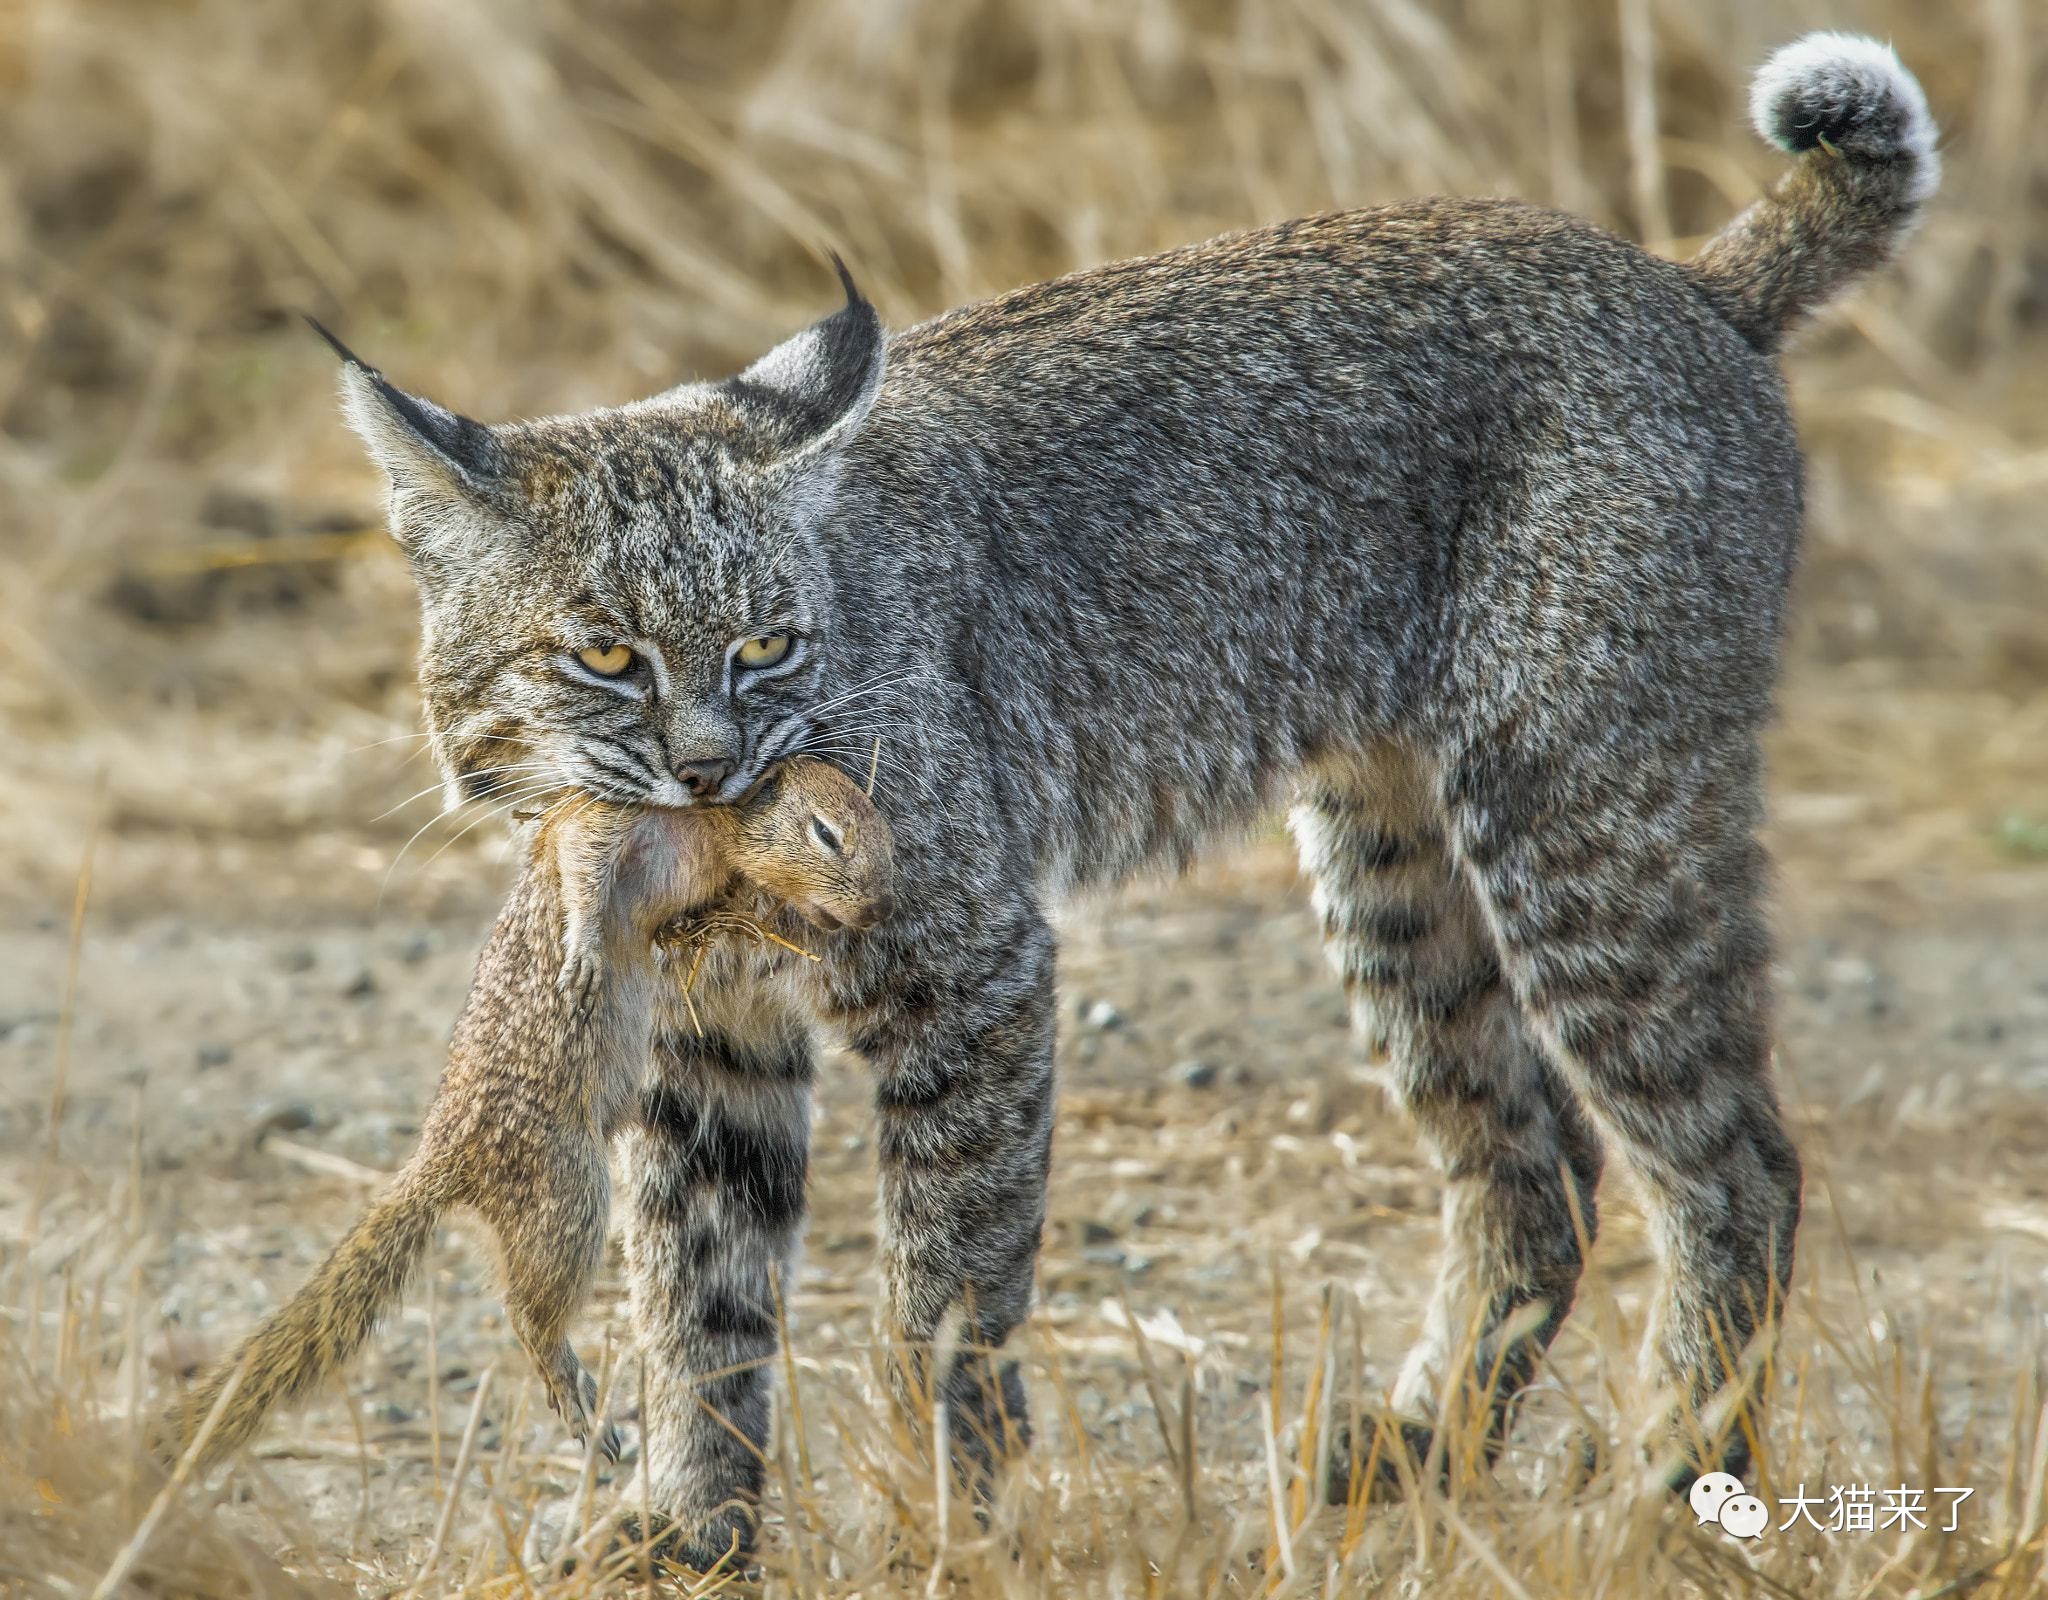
(214, 1055)
(1100, 1014)
(361, 986)
(181, 1352)
(294, 1116)
(1093, 1232)
(1198, 1074)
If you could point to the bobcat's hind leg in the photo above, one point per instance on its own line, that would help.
(1519, 1159)
(1626, 891)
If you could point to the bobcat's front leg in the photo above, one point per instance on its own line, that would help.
(716, 1188)
(964, 1102)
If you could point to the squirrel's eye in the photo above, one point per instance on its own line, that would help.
(827, 835)
(765, 650)
(607, 661)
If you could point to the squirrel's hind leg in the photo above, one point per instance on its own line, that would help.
(551, 1237)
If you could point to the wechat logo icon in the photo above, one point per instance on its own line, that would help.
(1719, 1498)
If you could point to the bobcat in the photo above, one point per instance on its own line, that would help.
(1462, 525)
(548, 1059)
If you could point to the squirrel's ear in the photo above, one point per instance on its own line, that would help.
(420, 446)
(811, 392)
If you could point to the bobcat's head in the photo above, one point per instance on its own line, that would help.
(626, 602)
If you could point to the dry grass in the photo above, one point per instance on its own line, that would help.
(535, 206)
(526, 208)
(1198, 1484)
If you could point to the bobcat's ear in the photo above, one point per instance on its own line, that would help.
(420, 446)
(811, 392)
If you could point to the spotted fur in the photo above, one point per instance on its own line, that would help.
(1463, 524)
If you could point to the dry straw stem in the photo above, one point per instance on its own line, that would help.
(131, 1552)
(67, 1011)
(700, 932)
(453, 1498)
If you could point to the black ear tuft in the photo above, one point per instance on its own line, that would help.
(812, 391)
(449, 440)
(335, 344)
(854, 298)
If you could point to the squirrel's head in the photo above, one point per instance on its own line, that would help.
(811, 838)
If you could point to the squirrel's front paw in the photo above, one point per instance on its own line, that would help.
(579, 976)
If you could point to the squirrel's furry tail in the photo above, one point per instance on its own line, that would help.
(1857, 122)
(322, 1325)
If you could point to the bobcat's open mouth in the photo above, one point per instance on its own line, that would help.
(739, 790)
(756, 785)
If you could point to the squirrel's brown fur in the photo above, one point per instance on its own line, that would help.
(549, 1053)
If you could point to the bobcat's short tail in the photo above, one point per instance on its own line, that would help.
(323, 1324)
(1857, 122)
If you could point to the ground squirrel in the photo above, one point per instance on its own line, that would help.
(548, 1058)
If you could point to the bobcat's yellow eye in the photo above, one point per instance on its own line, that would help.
(607, 662)
(764, 651)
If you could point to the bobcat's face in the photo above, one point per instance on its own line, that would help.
(626, 603)
(641, 623)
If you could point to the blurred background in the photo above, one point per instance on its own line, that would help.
(207, 718)
(529, 206)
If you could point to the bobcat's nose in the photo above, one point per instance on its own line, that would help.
(704, 777)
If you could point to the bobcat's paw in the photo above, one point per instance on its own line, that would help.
(1673, 1461)
(616, 1545)
(1390, 1455)
(1683, 1467)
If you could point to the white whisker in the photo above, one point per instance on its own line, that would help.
(863, 728)
(517, 796)
(482, 772)
(865, 755)
(874, 685)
